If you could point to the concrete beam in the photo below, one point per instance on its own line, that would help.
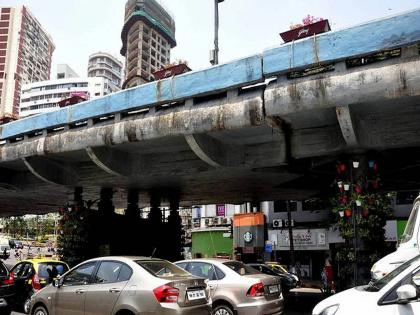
(347, 125)
(214, 152)
(113, 162)
(50, 171)
(393, 80)
(244, 111)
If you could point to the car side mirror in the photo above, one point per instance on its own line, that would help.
(406, 293)
(58, 282)
(416, 280)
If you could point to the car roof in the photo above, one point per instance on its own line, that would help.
(43, 260)
(126, 258)
(209, 260)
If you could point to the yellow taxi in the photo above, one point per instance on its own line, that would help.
(276, 266)
(32, 275)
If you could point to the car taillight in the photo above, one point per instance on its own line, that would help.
(11, 279)
(166, 294)
(256, 290)
(35, 282)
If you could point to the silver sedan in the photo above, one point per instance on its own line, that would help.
(124, 285)
(236, 288)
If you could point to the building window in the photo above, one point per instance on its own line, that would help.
(281, 206)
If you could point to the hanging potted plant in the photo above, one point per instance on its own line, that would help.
(365, 212)
(348, 212)
(310, 26)
(375, 183)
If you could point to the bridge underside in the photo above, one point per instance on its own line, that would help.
(267, 142)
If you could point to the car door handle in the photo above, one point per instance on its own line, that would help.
(80, 291)
(115, 290)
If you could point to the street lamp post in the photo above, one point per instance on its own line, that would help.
(215, 58)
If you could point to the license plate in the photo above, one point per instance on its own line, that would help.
(196, 295)
(273, 289)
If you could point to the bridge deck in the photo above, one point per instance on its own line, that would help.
(384, 34)
(264, 127)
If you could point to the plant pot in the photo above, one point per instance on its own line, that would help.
(358, 189)
(306, 31)
(346, 187)
(365, 212)
(355, 164)
(358, 203)
(341, 213)
(343, 167)
(348, 213)
(371, 164)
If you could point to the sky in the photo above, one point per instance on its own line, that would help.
(82, 27)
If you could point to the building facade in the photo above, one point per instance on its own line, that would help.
(105, 65)
(25, 56)
(147, 37)
(42, 97)
(65, 71)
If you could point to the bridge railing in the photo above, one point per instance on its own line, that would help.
(287, 59)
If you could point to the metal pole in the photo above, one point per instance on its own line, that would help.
(292, 248)
(216, 32)
(354, 227)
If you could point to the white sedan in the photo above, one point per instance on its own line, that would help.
(398, 293)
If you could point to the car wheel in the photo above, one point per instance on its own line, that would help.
(27, 306)
(222, 310)
(40, 310)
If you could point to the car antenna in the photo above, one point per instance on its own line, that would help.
(153, 253)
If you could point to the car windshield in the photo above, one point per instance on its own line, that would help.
(50, 270)
(375, 286)
(411, 223)
(241, 268)
(162, 268)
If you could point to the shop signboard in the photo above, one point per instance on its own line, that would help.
(303, 239)
(221, 210)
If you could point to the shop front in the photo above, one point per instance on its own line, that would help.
(312, 249)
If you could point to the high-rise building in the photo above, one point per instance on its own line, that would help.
(104, 65)
(64, 71)
(25, 56)
(147, 37)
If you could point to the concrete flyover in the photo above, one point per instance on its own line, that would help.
(268, 126)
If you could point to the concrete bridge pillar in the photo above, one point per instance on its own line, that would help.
(105, 205)
(155, 215)
(156, 229)
(133, 210)
(174, 230)
(106, 228)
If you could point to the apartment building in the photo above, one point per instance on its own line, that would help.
(105, 65)
(25, 56)
(147, 37)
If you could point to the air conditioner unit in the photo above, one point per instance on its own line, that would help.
(206, 222)
(286, 223)
(225, 221)
(215, 221)
(277, 224)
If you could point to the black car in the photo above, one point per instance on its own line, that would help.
(15, 244)
(6, 289)
(288, 281)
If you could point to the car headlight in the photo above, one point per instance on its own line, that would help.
(330, 310)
